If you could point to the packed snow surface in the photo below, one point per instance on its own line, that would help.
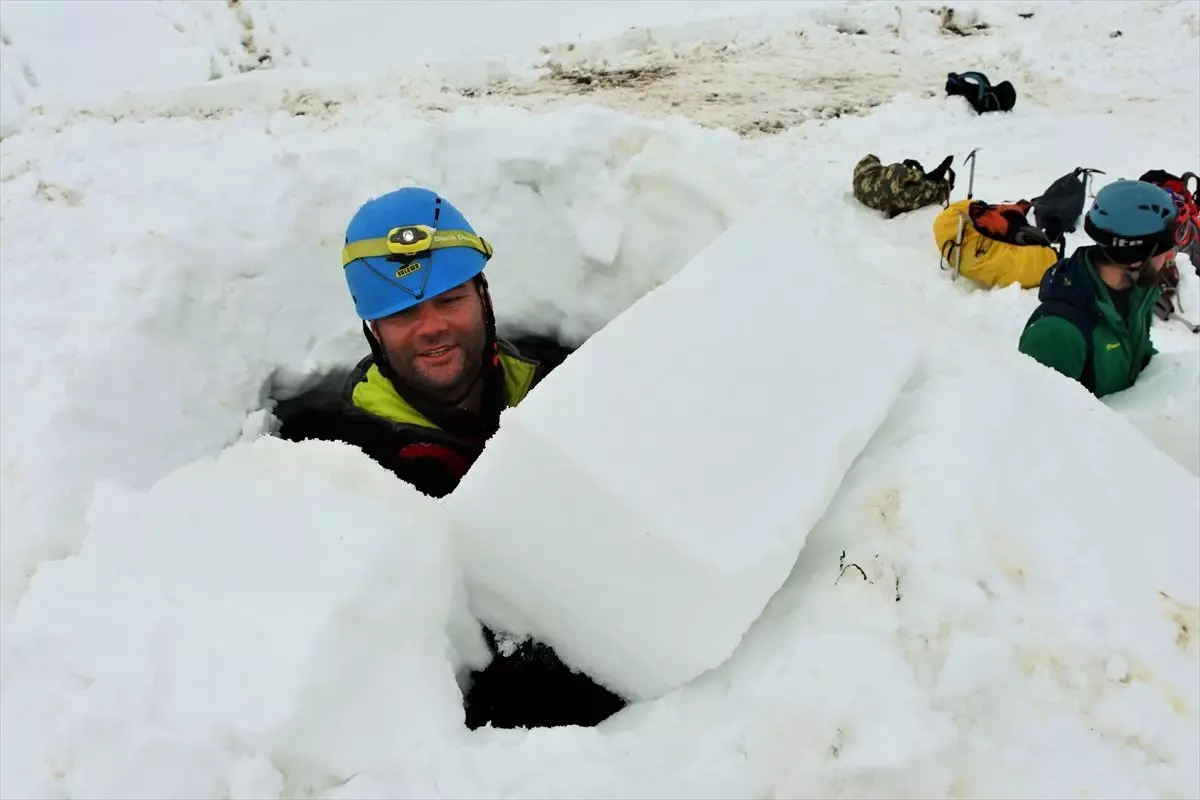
(999, 598)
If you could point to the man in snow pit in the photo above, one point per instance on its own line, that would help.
(1093, 324)
(428, 397)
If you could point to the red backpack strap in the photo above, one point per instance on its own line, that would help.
(454, 463)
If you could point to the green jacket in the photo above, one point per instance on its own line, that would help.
(1078, 331)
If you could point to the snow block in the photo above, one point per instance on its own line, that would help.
(280, 598)
(641, 506)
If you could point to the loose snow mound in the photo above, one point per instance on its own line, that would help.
(1165, 405)
(1006, 609)
(281, 601)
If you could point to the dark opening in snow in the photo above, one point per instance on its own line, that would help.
(527, 686)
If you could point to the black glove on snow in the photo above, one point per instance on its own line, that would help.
(938, 173)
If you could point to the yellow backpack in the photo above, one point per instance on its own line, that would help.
(999, 246)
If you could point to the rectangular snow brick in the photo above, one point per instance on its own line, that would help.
(641, 506)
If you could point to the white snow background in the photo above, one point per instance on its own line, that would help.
(997, 590)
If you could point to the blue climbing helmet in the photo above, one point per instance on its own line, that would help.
(1132, 221)
(406, 247)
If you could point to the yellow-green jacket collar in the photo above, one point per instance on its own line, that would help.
(376, 395)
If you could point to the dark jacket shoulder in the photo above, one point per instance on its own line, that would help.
(547, 352)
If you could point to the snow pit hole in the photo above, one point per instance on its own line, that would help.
(529, 692)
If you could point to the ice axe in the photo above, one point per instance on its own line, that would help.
(962, 218)
(1087, 179)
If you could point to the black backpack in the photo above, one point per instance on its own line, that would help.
(979, 92)
(1058, 209)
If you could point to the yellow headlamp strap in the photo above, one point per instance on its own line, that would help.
(413, 241)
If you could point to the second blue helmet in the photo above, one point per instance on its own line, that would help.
(1132, 221)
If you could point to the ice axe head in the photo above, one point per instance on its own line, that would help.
(971, 180)
(1087, 173)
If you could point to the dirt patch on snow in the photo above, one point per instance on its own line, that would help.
(754, 91)
(586, 80)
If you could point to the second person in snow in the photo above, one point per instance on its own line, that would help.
(1093, 323)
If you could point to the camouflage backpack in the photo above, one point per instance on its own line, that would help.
(902, 187)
